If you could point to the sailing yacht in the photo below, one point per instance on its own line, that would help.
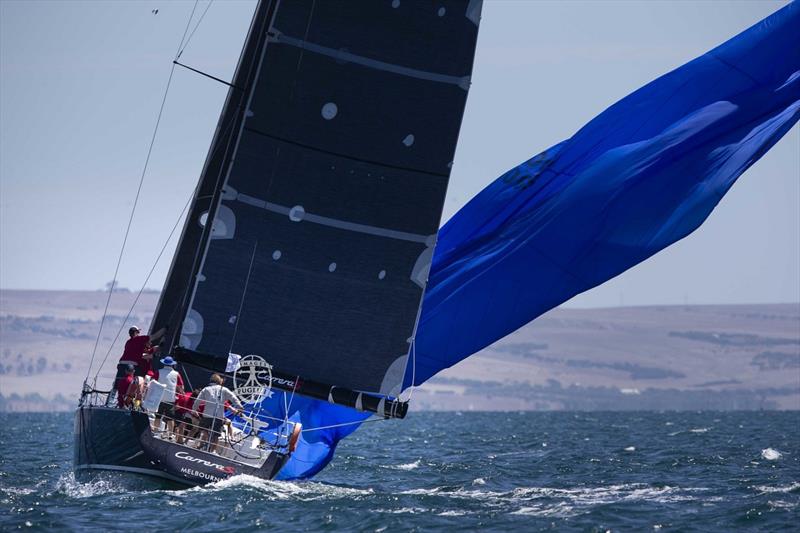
(309, 239)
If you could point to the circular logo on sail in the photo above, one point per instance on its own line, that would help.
(253, 379)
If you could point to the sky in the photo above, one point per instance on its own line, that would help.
(81, 84)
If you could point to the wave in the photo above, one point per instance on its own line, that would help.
(794, 487)
(559, 510)
(407, 466)
(780, 504)
(552, 501)
(98, 486)
(402, 510)
(278, 490)
(17, 491)
(770, 454)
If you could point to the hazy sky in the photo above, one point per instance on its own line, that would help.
(80, 85)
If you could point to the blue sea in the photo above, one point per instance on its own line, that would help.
(676, 471)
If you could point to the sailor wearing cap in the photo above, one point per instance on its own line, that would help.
(137, 352)
(173, 384)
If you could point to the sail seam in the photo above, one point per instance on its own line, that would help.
(333, 222)
(462, 82)
(345, 156)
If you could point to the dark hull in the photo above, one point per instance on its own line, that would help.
(196, 467)
(107, 439)
(121, 440)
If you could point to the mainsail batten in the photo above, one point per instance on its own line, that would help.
(324, 227)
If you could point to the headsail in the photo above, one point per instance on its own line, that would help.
(325, 220)
(640, 176)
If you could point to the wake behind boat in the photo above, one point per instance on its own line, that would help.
(307, 244)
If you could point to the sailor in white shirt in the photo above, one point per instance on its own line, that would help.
(171, 379)
(215, 395)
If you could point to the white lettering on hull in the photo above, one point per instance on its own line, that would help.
(186, 457)
(198, 474)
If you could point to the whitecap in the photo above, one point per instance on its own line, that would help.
(67, 484)
(699, 430)
(788, 488)
(281, 490)
(421, 492)
(407, 466)
(630, 449)
(17, 491)
(402, 510)
(538, 500)
(561, 509)
(780, 504)
(479, 481)
(771, 454)
(453, 513)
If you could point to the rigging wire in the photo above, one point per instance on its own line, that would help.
(139, 294)
(130, 311)
(244, 295)
(345, 424)
(130, 221)
(136, 199)
(186, 30)
(184, 45)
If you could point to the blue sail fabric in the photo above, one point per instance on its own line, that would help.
(640, 176)
(317, 443)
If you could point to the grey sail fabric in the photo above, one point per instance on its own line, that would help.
(325, 224)
(185, 263)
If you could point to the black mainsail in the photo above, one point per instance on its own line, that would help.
(325, 183)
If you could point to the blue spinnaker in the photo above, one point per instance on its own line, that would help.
(325, 425)
(642, 175)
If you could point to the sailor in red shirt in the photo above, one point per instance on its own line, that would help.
(184, 415)
(122, 385)
(137, 351)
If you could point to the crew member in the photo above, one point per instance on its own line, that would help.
(138, 351)
(122, 384)
(138, 389)
(214, 395)
(185, 417)
(171, 379)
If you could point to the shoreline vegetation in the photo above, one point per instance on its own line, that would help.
(652, 358)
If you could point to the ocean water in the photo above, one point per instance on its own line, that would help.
(444, 471)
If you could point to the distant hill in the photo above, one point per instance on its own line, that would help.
(660, 357)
